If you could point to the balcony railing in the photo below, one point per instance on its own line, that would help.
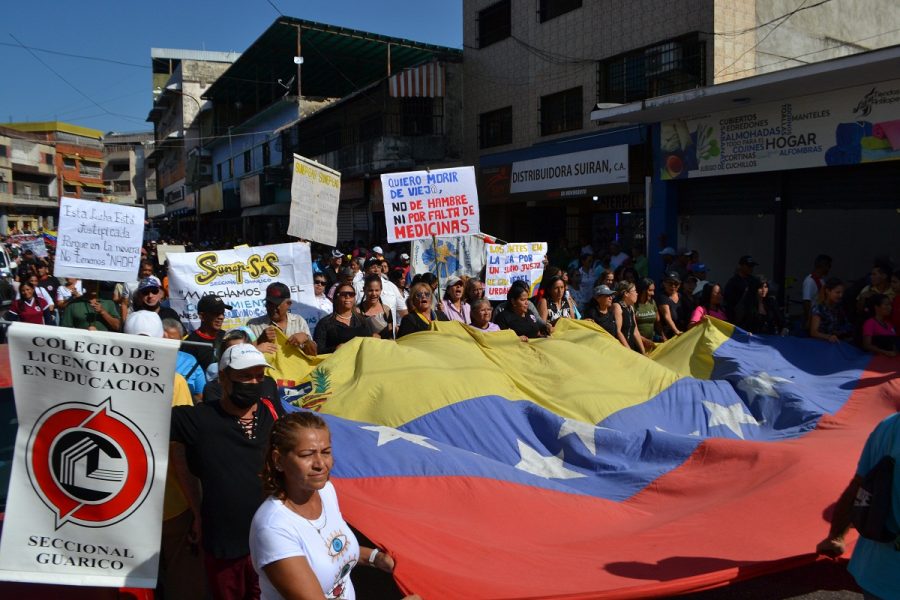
(90, 171)
(31, 191)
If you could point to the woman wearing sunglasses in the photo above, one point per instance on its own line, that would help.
(343, 324)
(421, 310)
(323, 302)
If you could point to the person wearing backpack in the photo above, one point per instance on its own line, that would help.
(871, 503)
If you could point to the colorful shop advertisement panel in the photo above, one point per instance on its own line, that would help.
(844, 127)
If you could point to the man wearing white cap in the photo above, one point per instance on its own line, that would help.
(178, 566)
(226, 443)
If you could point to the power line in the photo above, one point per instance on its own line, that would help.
(784, 19)
(761, 25)
(272, 4)
(73, 86)
(70, 55)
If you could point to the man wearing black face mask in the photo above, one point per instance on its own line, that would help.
(226, 443)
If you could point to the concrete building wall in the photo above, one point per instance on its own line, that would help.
(777, 36)
(559, 54)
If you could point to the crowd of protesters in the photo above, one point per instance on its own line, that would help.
(222, 421)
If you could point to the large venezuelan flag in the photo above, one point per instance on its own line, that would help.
(571, 467)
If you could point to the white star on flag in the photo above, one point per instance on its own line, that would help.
(730, 416)
(761, 384)
(389, 434)
(548, 467)
(584, 431)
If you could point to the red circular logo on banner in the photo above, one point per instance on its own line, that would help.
(89, 464)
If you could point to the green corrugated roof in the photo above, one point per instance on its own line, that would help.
(336, 62)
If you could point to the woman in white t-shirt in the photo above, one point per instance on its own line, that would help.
(299, 543)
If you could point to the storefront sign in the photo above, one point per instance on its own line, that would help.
(240, 277)
(600, 166)
(211, 198)
(315, 196)
(510, 263)
(250, 191)
(844, 127)
(424, 204)
(88, 477)
(98, 240)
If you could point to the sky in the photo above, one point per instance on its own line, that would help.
(114, 93)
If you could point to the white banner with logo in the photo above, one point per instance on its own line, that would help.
(98, 240)
(239, 277)
(425, 204)
(315, 196)
(35, 243)
(843, 127)
(510, 263)
(86, 492)
(600, 166)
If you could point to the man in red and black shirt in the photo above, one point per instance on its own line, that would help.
(212, 314)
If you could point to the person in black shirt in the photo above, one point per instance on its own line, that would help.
(421, 311)
(669, 305)
(225, 443)
(600, 310)
(737, 286)
(343, 324)
(331, 270)
(211, 310)
(517, 317)
(51, 284)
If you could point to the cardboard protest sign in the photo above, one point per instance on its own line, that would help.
(239, 277)
(425, 204)
(163, 250)
(86, 492)
(98, 240)
(315, 195)
(510, 263)
(35, 243)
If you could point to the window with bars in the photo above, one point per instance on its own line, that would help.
(248, 161)
(495, 128)
(562, 111)
(121, 186)
(421, 116)
(550, 9)
(664, 68)
(494, 23)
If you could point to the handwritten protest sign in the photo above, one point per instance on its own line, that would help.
(35, 243)
(315, 195)
(239, 277)
(510, 263)
(98, 240)
(423, 204)
(88, 476)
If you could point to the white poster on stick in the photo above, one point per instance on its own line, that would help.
(435, 203)
(88, 474)
(315, 195)
(98, 240)
(509, 263)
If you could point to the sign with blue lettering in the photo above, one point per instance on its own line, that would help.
(435, 203)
